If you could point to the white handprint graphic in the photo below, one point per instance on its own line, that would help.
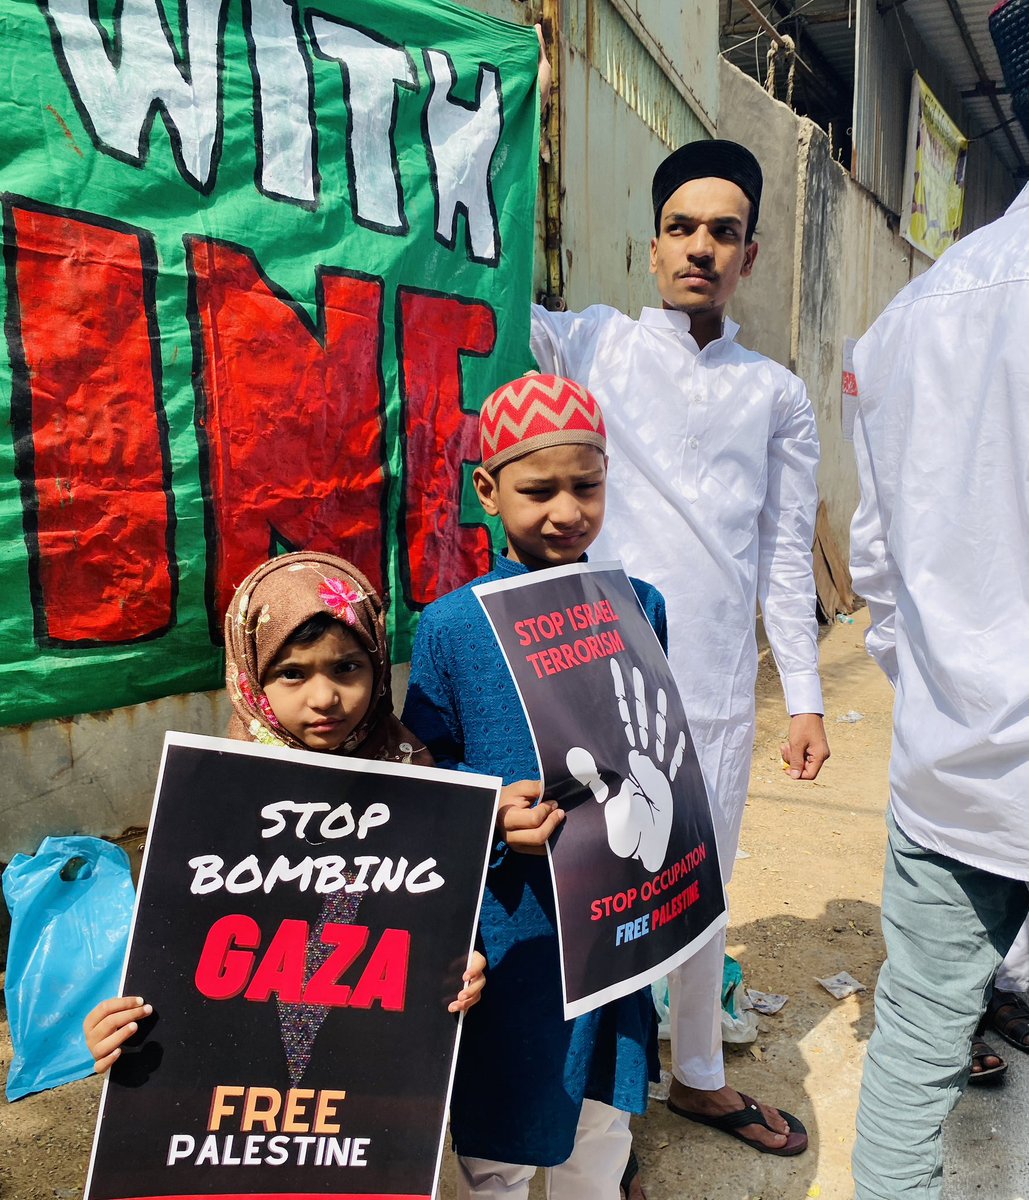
(639, 816)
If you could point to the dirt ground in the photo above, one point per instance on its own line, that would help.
(805, 904)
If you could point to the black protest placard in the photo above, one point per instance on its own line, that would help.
(303, 921)
(634, 865)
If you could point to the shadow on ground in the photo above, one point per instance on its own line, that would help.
(805, 1057)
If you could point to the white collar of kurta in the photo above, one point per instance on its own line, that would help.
(679, 322)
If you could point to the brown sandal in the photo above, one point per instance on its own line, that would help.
(1008, 1014)
(980, 1052)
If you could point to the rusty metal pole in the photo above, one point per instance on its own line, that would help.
(551, 164)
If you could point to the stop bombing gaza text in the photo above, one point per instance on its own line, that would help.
(323, 873)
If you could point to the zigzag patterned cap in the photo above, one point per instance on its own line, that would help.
(534, 412)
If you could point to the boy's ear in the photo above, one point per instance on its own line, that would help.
(486, 489)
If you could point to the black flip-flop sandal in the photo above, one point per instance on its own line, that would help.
(731, 1123)
(632, 1169)
(981, 1050)
(1014, 1028)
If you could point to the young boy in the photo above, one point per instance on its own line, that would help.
(531, 1089)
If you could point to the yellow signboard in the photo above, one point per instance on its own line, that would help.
(934, 174)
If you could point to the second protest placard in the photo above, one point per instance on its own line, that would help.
(634, 865)
(302, 923)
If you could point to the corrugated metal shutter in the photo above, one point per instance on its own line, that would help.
(888, 50)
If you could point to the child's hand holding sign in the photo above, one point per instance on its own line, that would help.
(110, 1024)
(524, 824)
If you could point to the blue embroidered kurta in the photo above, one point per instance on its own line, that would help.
(523, 1071)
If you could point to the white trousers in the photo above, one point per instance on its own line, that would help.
(695, 1004)
(592, 1172)
(695, 988)
(1013, 975)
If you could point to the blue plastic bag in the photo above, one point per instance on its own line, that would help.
(71, 906)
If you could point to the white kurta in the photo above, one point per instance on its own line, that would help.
(940, 543)
(711, 497)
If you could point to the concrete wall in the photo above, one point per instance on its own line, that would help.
(869, 263)
(830, 260)
(624, 104)
(764, 302)
(93, 773)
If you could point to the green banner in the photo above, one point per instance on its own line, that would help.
(262, 260)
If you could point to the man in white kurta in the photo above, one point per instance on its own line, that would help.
(712, 497)
(940, 549)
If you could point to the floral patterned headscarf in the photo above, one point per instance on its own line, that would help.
(267, 609)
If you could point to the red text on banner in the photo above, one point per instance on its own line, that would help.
(291, 414)
(90, 431)
(440, 437)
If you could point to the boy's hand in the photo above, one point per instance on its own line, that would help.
(111, 1023)
(526, 828)
(807, 748)
(474, 981)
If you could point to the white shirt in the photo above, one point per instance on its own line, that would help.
(940, 542)
(711, 497)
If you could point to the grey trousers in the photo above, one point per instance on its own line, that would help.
(947, 927)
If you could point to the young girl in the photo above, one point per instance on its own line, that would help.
(307, 666)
